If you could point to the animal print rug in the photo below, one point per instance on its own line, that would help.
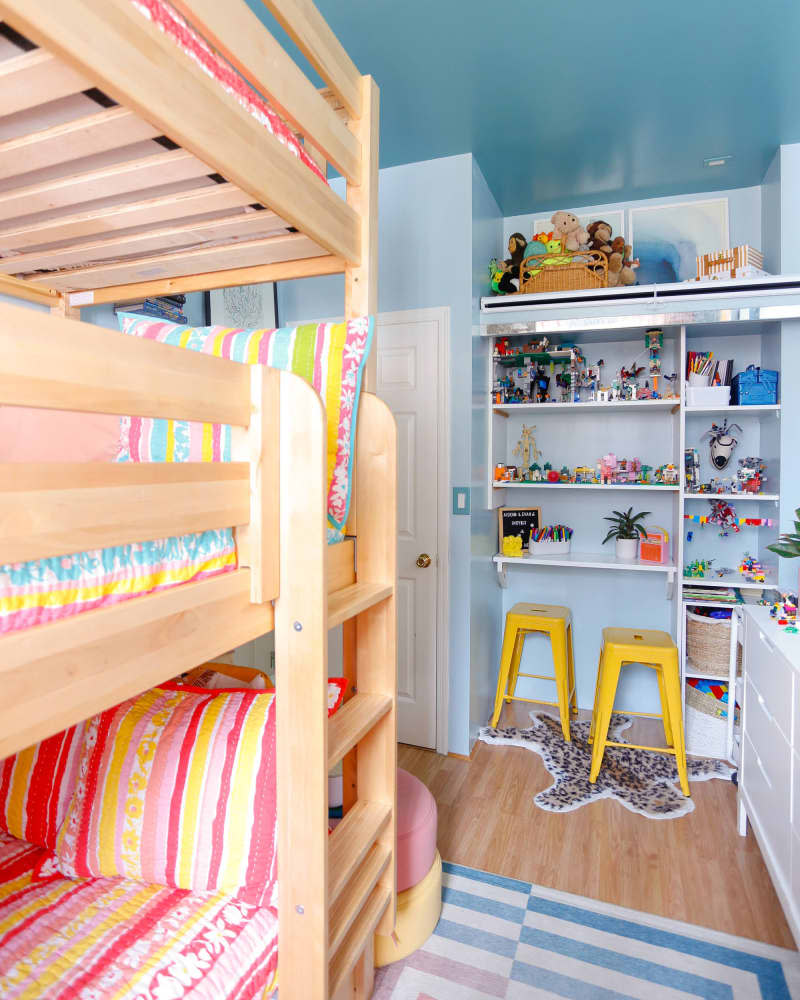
(643, 781)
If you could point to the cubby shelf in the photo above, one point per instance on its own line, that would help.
(730, 581)
(740, 410)
(586, 486)
(731, 496)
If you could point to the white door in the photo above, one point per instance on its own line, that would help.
(411, 349)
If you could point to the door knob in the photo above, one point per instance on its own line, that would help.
(423, 560)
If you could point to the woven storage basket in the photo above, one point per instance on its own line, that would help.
(706, 735)
(708, 644)
(582, 269)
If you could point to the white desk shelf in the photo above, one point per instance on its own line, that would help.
(742, 497)
(583, 560)
(731, 581)
(641, 487)
(737, 410)
(622, 405)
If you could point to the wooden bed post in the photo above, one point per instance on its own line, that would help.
(301, 658)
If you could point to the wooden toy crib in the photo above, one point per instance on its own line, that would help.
(93, 210)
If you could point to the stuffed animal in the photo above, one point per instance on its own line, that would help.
(620, 271)
(599, 236)
(570, 231)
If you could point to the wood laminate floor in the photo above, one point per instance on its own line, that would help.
(695, 869)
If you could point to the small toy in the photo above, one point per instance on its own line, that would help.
(535, 473)
(499, 472)
(526, 447)
(751, 569)
(567, 228)
(654, 547)
(722, 443)
(667, 475)
(698, 568)
(723, 514)
(553, 476)
(608, 466)
(564, 475)
(691, 463)
(784, 610)
(512, 546)
(750, 478)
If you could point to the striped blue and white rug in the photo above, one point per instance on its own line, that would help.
(499, 937)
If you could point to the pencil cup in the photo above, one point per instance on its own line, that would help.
(699, 380)
(549, 548)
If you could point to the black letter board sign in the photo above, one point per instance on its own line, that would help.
(517, 521)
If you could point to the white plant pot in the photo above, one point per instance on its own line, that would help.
(627, 549)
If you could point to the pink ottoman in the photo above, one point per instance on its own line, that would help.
(416, 830)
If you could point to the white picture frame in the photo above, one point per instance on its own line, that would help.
(668, 238)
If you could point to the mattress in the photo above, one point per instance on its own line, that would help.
(114, 939)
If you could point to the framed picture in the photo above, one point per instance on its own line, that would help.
(615, 219)
(512, 521)
(249, 306)
(667, 239)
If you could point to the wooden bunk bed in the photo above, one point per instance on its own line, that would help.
(89, 214)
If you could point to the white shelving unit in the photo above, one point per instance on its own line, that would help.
(738, 319)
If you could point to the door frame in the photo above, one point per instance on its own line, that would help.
(441, 315)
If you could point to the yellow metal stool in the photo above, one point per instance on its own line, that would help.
(653, 649)
(556, 621)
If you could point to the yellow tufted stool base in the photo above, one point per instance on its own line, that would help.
(418, 912)
(556, 621)
(651, 648)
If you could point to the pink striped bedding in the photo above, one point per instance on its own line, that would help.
(184, 35)
(114, 939)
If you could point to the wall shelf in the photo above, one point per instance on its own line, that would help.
(730, 581)
(732, 496)
(740, 410)
(583, 560)
(586, 486)
(657, 405)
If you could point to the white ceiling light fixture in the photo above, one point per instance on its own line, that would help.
(716, 161)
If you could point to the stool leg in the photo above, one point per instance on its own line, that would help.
(605, 706)
(509, 641)
(664, 706)
(516, 659)
(573, 691)
(558, 641)
(672, 685)
(593, 724)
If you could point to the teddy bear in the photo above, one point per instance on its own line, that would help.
(620, 271)
(570, 231)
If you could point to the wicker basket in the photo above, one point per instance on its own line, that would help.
(708, 644)
(563, 272)
(706, 735)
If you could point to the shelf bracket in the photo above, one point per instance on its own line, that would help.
(670, 584)
(502, 577)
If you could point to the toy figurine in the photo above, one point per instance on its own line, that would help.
(750, 478)
(723, 514)
(608, 466)
(535, 472)
(752, 569)
(526, 447)
(698, 568)
(722, 443)
(691, 462)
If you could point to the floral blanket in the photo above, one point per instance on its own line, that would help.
(114, 939)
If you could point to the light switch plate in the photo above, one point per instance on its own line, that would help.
(461, 500)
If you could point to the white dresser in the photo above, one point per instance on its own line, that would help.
(769, 771)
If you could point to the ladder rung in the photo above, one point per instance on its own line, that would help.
(352, 900)
(353, 721)
(353, 945)
(352, 600)
(351, 840)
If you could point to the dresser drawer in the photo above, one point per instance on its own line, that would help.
(769, 809)
(796, 870)
(796, 794)
(772, 677)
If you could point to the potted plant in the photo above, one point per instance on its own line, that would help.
(627, 530)
(788, 546)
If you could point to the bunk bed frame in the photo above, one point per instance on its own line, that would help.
(88, 231)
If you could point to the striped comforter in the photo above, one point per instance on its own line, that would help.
(113, 939)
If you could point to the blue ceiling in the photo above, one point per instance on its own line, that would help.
(577, 103)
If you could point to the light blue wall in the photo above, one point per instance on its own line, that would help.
(771, 216)
(486, 605)
(425, 260)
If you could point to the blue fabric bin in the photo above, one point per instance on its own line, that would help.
(754, 387)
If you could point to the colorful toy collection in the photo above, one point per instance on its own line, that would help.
(724, 514)
(750, 568)
(558, 247)
(609, 471)
(784, 611)
(750, 477)
(535, 372)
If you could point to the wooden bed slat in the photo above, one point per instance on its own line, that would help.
(141, 68)
(111, 218)
(104, 182)
(289, 246)
(35, 78)
(351, 840)
(310, 267)
(28, 291)
(353, 720)
(57, 674)
(353, 898)
(108, 129)
(54, 509)
(245, 42)
(308, 29)
(64, 364)
(186, 235)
